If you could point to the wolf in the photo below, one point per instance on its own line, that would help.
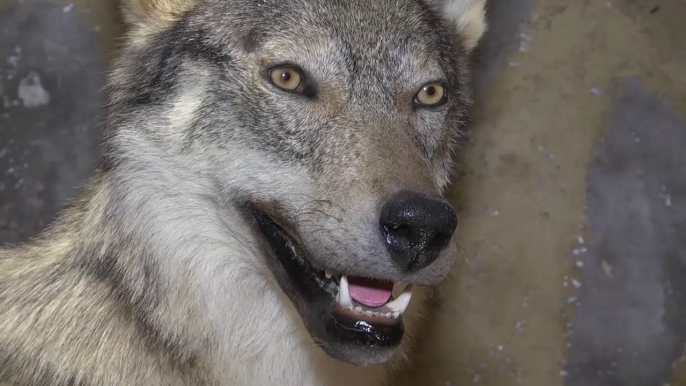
(269, 207)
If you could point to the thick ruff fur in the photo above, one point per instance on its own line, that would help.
(152, 276)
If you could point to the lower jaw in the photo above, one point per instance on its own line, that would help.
(340, 332)
(359, 340)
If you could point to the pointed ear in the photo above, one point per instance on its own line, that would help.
(158, 13)
(467, 16)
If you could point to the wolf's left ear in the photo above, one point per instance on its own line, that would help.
(468, 17)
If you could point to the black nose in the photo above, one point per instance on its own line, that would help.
(416, 228)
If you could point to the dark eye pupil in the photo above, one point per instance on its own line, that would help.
(430, 90)
(286, 76)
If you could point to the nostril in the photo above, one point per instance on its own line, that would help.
(397, 236)
(438, 243)
(402, 231)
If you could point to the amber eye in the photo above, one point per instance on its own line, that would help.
(286, 78)
(431, 94)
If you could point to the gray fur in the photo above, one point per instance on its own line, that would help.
(152, 276)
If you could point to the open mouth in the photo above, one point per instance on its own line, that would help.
(354, 319)
(371, 298)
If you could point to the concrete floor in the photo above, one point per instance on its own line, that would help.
(572, 189)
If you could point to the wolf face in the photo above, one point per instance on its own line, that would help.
(329, 126)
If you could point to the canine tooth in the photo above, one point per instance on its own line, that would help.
(389, 315)
(400, 304)
(396, 315)
(344, 294)
(328, 274)
(358, 310)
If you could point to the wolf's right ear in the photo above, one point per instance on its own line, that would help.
(158, 13)
(467, 16)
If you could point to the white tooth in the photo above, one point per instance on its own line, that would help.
(344, 295)
(328, 274)
(400, 304)
(368, 313)
(358, 310)
(396, 315)
(389, 315)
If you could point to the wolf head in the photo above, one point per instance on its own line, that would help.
(328, 126)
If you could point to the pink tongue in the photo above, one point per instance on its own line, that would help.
(371, 293)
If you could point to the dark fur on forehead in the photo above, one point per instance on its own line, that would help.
(466, 18)
(360, 22)
(357, 26)
(211, 28)
(368, 54)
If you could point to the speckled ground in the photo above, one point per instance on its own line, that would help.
(572, 191)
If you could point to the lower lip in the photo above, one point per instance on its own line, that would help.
(362, 330)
